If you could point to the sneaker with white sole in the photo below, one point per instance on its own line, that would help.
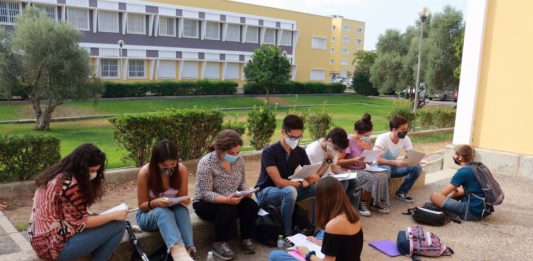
(381, 208)
(403, 197)
(363, 209)
(223, 251)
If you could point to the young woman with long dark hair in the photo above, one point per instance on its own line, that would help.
(60, 226)
(343, 239)
(158, 183)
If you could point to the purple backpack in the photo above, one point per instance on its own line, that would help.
(415, 242)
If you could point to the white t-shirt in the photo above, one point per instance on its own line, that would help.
(391, 151)
(315, 152)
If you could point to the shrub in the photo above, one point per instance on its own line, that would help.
(261, 126)
(192, 130)
(404, 109)
(444, 117)
(168, 88)
(425, 117)
(361, 84)
(292, 87)
(23, 157)
(239, 127)
(318, 124)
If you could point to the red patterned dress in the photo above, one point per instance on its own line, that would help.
(59, 211)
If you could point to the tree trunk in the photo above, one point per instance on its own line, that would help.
(43, 117)
(43, 122)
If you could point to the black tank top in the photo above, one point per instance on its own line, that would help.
(343, 247)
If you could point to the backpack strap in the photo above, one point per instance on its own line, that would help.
(410, 211)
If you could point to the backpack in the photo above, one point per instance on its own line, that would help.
(430, 214)
(491, 188)
(415, 242)
(160, 254)
(269, 227)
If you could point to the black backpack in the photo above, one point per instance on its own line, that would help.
(492, 191)
(138, 253)
(269, 227)
(430, 214)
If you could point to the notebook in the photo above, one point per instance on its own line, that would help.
(387, 247)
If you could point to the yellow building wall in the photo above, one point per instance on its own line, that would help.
(308, 25)
(504, 113)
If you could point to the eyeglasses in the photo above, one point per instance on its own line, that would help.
(292, 138)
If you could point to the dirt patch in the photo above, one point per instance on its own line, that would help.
(275, 100)
(60, 111)
(431, 147)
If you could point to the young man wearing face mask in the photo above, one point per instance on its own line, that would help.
(278, 162)
(392, 143)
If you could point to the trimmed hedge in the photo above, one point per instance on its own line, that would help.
(239, 127)
(318, 124)
(261, 126)
(24, 157)
(168, 88)
(192, 130)
(292, 87)
(438, 117)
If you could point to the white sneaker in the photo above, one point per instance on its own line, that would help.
(363, 209)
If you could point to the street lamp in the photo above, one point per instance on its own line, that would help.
(423, 14)
(120, 45)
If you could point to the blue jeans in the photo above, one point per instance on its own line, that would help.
(102, 240)
(174, 224)
(349, 187)
(460, 208)
(286, 198)
(280, 255)
(410, 174)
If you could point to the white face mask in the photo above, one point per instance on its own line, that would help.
(292, 143)
(93, 175)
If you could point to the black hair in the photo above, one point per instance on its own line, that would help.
(162, 151)
(76, 165)
(364, 124)
(292, 122)
(338, 137)
(396, 122)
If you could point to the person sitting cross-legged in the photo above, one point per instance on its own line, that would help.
(278, 162)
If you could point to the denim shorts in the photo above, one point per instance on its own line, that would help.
(460, 208)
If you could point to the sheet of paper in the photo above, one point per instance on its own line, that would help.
(413, 157)
(301, 240)
(374, 169)
(246, 193)
(371, 155)
(345, 176)
(306, 171)
(177, 200)
(262, 212)
(122, 206)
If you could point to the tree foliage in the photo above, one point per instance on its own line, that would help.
(363, 61)
(268, 67)
(42, 60)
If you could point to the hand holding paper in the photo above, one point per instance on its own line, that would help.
(246, 193)
(371, 155)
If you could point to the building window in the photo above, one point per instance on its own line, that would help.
(167, 69)
(286, 38)
(136, 68)
(359, 30)
(318, 43)
(108, 68)
(359, 41)
(190, 28)
(167, 26)
(318, 75)
(345, 39)
(331, 61)
(212, 71)
(333, 39)
(333, 28)
(136, 24)
(190, 70)
(344, 50)
(9, 12)
(332, 50)
(78, 18)
(252, 34)
(212, 30)
(51, 11)
(108, 21)
(232, 71)
(233, 33)
(344, 62)
(346, 28)
(270, 36)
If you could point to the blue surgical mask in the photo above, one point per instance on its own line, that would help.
(230, 158)
(367, 138)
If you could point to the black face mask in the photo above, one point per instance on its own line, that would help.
(402, 134)
(456, 161)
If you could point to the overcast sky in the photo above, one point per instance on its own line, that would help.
(379, 15)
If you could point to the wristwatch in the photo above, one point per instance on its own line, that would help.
(301, 184)
(329, 161)
(309, 255)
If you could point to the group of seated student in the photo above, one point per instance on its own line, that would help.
(62, 228)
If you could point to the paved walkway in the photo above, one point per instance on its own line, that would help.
(506, 235)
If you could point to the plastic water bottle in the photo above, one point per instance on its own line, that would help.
(281, 242)
(210, 256)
